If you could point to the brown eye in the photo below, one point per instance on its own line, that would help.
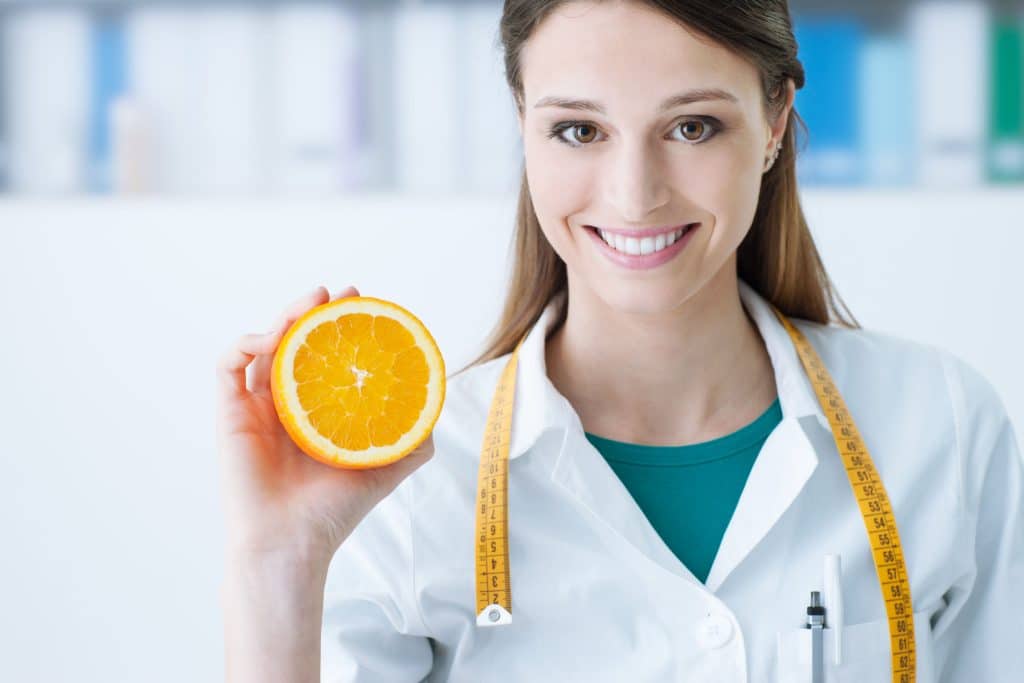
(699, 125)
(584, 138)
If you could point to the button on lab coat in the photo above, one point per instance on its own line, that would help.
(598, 596)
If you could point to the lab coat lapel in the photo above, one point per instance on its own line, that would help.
(781, 470)
(584, 474)
(578, 467)
(788, 457)
(784, 465)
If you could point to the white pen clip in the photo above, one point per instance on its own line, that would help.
(834, 604)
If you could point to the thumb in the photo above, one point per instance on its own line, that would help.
(394, 473)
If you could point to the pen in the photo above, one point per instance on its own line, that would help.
(833, 599)
(816, 622)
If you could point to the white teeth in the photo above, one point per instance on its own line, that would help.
(638, 247)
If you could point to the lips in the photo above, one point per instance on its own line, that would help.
(642, 261)
(641, 233)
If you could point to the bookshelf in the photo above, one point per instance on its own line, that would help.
(221, 96)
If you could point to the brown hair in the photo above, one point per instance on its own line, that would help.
(777, 258)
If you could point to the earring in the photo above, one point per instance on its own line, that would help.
(769, 161)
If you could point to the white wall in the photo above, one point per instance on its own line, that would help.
(114, 313)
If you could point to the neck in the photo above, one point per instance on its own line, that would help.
(677, 377)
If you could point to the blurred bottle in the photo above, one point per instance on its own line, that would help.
(130, 172)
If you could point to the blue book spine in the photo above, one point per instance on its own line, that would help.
(828, 103)
(107, 75)
(887, 109)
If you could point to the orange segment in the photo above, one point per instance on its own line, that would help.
(358, 382)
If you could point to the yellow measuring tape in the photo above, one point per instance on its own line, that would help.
(493, 583)
(874, 509)
(493, 586)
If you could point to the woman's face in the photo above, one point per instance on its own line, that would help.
(633, 165)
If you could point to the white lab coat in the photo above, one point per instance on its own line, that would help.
(598, 596)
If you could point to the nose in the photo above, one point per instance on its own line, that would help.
(636, 183)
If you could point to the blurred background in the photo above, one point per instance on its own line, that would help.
(173, 174)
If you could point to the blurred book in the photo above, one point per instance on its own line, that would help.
(1006, 115)
(108, 82)
(234, 100)
(950, 48)
(47, 98)
(886, 111)
(164, 68)
(3, 106)
(490, 152)
(829, 47)
(426, 98)
(374, 163)
(316, 98)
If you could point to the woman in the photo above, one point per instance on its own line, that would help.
(674, 484)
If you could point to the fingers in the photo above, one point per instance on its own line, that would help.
(259, 373)
(298, 307)
(231, 366)
(348, 291)
(232, 363)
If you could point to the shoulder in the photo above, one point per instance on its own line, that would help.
(921, 388)
(878, 354)
(903, 364)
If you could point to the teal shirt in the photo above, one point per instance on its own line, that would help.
(690, 492)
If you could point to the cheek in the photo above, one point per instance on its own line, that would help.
(723, 182)
(558, 187)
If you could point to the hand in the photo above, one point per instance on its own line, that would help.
(276, 497)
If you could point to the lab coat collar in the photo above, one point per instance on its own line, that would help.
(539, 406)
(785, 463)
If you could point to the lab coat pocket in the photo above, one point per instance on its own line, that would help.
(866, 656)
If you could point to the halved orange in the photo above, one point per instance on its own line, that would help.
(358, 382)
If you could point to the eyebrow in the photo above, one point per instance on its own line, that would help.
(688, 97)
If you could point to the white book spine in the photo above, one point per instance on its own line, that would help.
(314, 113)
(949, 42)
(234, 100)
(374, 164)
(46, 61)
(490, 146)
(426, 99)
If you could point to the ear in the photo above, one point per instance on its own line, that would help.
(517, 105)
(778, 127)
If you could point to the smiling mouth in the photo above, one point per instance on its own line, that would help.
(641, 245)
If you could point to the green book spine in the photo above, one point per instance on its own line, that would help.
(1006, 113)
